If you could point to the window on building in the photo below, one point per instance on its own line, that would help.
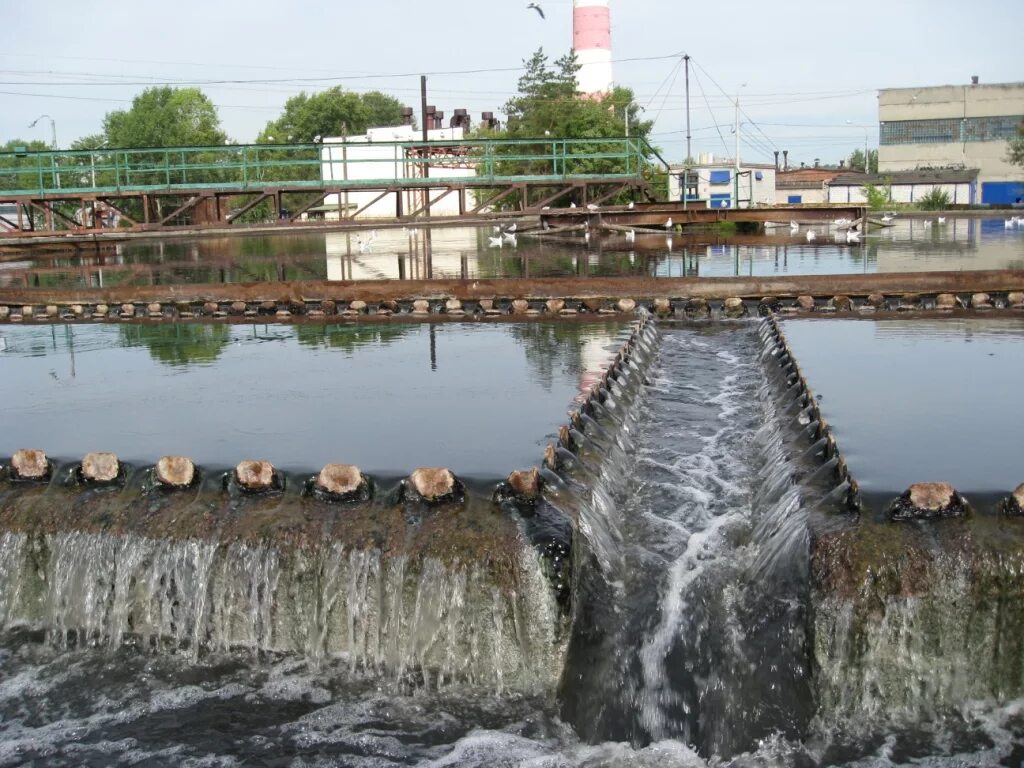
(949, 130)
(795, 199)
(719, 177)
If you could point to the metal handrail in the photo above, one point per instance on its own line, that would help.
(332, 164)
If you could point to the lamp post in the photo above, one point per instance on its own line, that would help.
(736, 174)
(53, 143)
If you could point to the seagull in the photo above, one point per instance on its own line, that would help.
(631, 235)
(852, 237)
(509, 237)
(942, 219)
(887, 218)
(794, 226)
(495, 242)
(586, 236)
(496, 229)
(511, 228)
(572, 205)
(631, 205)
(927, 223)
(668, 224)
(1010, 223)
(592, 207)
(538, 9)
(810, 235)
(364, 245)
(842, 222)
(546, 208)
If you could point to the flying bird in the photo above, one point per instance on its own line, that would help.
(810, 236)
(537, 8)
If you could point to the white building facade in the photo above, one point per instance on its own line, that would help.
(719, 185)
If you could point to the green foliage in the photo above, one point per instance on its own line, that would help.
(1015, 150)
(935, 200)
(878, 197)
(165, 117)
(334, 112)
(548, 104)
(856, 160)
(20, 172)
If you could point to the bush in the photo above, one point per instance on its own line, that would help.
(936, 200)
(877, 197)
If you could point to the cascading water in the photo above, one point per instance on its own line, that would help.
(692, 628)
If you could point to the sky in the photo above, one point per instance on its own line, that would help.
(807, 73)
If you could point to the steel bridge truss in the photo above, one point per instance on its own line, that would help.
(47, 193)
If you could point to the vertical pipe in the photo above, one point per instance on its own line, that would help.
(426, 138)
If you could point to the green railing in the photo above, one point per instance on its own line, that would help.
(315, 166)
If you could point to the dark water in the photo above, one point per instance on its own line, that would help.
(481, 400)
(920, 400)
(960, 244)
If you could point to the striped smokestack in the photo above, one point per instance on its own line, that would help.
(592, 42)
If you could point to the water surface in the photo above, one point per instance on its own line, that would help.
(920, 399)
(480, 399)
(467, 252)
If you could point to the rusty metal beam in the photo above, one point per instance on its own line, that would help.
(377, 199)
(430, 202)
(260, 197)
(187, 206)
(493, 199)
(319, 198)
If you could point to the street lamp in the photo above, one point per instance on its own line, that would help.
(53, 143)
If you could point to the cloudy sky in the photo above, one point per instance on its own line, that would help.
(807, 72)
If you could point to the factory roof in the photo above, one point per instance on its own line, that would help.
(919, 176)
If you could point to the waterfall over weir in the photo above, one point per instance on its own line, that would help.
(692, 572)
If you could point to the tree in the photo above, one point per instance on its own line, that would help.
(20, 169)
(1015, 150)
(856, 160)
(165, 117)
(334, 112)
(548, 104)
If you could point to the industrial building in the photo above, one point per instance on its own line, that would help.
(955, 127)
(718, 184)
(907, 186)
(807, 186)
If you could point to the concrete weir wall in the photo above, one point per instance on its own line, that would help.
(915, 605)
(427, 576)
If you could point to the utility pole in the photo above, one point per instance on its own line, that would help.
(689, 154)
(426, 137)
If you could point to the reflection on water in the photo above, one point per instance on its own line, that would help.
(388, 397)
(920, 400)
(465, 252)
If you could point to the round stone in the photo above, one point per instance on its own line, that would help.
(945, 301)
(626, 305)
(77, 309)
(210, 307)
(486, 304)
(238, 307)
(593, 304)
(1014, 298)
(340, 479)
(421, 307)
(876, 299)
(127, 310)
(555, 305)
(433, 483)
(26, 311)
(520, 306)
(175, 471)
(5, 312)
(842, 303)
(154, 308)
(1018, 495)
(931, 496)
(52, 310)
(525, 483)
(662, 306)
(927, 501)
(102, 309)
(357, 306)
(981, 300)
(805, 302)
(100, 467)
(30, 464)
(453, 305)
(255, 475)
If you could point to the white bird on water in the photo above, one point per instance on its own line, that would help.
(927, 223)
(794, 226)
(495, 242)
(509, 237)
(668, 224)
(631, 235)
(852, 237)
(942, 219)
(1010, 223)
(537, 8)
(810, 235)
(668, 243)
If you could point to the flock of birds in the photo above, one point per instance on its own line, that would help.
(1014, 222)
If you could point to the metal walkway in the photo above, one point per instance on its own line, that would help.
(44, 193)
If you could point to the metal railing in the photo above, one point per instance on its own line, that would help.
(112, 171)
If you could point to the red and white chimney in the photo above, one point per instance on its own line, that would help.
(592, 42)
